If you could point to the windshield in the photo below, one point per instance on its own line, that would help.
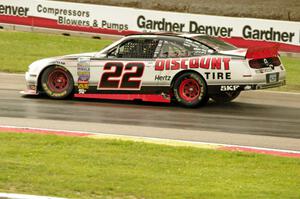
(215, 43)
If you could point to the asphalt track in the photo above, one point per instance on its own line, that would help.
(256, 118)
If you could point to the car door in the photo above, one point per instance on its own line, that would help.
(127, 68)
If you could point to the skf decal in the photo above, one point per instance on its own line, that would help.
(213, 63)
(229, 88)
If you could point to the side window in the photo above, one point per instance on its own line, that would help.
(172, 49)
(182, 48)
(195, 48)
(138, 48)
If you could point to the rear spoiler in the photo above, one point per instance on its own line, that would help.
(260, 52)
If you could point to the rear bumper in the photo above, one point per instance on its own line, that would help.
(213, 89)
(270, 85)
(261, 77)
(255, 79)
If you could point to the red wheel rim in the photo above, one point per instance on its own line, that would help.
(189, 90)
(58, 80)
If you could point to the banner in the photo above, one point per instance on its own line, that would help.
(242, 32)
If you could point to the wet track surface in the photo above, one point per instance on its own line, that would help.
(256, 118)
(240, 117)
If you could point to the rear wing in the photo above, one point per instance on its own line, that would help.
(260, 52)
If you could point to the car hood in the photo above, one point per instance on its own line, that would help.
(38, 65)
(71, 56)
(91, 54)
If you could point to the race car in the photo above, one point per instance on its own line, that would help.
(185, 68)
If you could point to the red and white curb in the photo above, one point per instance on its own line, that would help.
(21, 196)
(208, 145)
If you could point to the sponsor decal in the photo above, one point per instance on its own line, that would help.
(213, 63)
(83, 72)
(59, 62)
(83, 86)
(217, 75)
(162, 78)
(229, 88)
(263, 70)
(83, 69)
(267, 63)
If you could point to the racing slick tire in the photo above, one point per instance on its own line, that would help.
(57, 82)
(190, 90)
(225, 97)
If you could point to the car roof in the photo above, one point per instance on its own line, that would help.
(157, 34)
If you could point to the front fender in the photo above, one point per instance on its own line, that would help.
(38, 66)
(35, 70)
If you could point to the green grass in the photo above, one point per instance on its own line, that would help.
(19, 49)
(90, 168)
(292, 66)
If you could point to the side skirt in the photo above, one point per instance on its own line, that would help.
(128, 97)
(146, 93)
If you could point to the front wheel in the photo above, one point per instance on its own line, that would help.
(190, 90)
(225, 97)
(57, 82)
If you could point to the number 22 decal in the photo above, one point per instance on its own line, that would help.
(116, 76)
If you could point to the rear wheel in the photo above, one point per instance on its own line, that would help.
(190, 90)
(225, 97)
(57, 82)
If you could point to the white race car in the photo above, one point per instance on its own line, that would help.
(186, 68)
